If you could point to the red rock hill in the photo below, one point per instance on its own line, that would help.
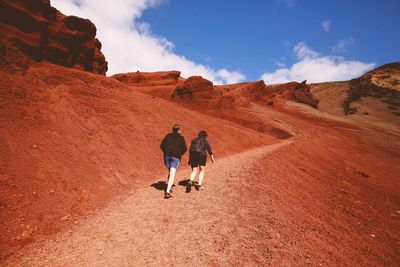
(44, 34)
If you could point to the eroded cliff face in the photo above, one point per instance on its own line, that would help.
(302, 94)
(44, 34)
(381, 83)
(193, 86)
(160, 78)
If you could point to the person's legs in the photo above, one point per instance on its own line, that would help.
(172, 172)
(167, 163)
(202, 165)
(191, 180)
(193, 174)
(167, 180)
(173, 164)
(201, 175)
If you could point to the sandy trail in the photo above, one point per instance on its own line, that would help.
(198, 228)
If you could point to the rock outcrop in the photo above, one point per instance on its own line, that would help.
(161, 78)
(382, 83)
(386, 76)
(44, 34)
(193, 86)
(255, 91)
(302, 94)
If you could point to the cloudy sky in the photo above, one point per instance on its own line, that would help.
(232, 41)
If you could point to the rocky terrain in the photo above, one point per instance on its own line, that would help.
(305, 174)
(44, 34)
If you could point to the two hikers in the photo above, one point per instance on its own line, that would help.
(174, 146)
(198, 158)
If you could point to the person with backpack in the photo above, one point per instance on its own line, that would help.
(173, 147)
(197, 159)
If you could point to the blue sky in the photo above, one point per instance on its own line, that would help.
(232, 41)
(253, 36)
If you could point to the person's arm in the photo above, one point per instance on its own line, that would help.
(163, 143)
(184, 147)
(209, 150)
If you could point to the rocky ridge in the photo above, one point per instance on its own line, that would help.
(44, 34)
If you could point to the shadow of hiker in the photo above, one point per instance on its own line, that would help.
(185, 182)
(160, 185)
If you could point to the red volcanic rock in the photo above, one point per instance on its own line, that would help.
(253, 90)
(302, 94)
(12, 59)
(226, 102)
(43, 33)
(382, 83)
(282, 89)
(386, 76)
(299, 92)
(149, 78)
(193, 85)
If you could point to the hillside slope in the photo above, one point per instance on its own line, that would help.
(305, 173)
(265, 206)
(71, 141)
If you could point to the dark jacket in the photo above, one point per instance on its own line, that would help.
(173, 145)
(205, 146)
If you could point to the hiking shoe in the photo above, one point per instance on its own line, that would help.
(199, 187)
(167, 195)
(189, 187)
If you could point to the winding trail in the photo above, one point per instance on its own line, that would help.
(199, 228)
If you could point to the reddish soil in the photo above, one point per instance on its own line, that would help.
(71, 141)
(316, 199)
(294, 184)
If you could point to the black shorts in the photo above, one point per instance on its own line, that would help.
(197, 159)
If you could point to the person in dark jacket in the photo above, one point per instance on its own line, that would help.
(173, 146)
(199, 148)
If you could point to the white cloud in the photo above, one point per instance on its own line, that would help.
(280, 64)
(343, 45)
(230, 77)
(129, 45)
(302, 51)
(314, 67)
(326, 25)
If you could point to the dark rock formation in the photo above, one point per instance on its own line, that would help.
(383, 83)
(194, 85)
(302, 94)
(43, 33)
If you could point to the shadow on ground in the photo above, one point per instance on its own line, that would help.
(183, 182)
(160, 185)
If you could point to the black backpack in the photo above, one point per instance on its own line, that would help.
(196, 146)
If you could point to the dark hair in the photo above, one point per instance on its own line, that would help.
(203, 134)
(176, 128)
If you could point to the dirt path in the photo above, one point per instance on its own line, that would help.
(200, 228)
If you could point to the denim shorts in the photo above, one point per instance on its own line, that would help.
(171, 162)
